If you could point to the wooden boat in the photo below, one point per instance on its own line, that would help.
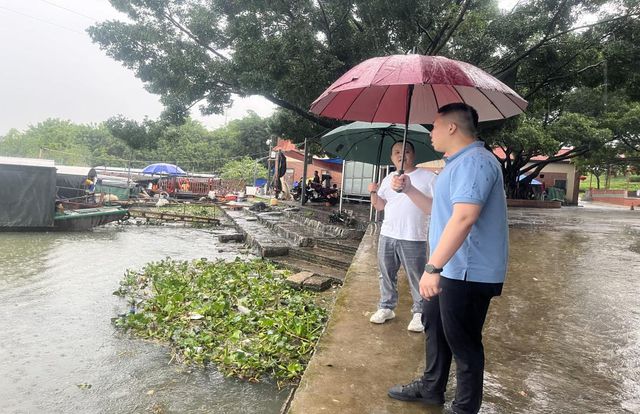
(30, 198)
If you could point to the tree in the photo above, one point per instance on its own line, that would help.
(528, 146)
(64, 142)
(192, 51)
(598, 163)
(245, 169)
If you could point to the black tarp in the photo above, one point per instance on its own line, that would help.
(27, 196)
(70, 187)
(70, 182)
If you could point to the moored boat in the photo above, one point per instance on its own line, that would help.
(87, 218)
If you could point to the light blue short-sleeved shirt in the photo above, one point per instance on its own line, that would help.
(473, 175)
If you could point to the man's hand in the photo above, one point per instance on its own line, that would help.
(430, 285)
(401, 183)
(373, 187)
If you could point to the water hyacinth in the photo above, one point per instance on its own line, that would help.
(239, 315)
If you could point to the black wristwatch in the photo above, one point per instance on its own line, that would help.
(429, 268)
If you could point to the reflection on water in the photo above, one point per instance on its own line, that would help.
(58, 350)
(565, 335)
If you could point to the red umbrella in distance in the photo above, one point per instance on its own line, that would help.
(409, 89)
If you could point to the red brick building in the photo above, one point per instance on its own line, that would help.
(295, 164)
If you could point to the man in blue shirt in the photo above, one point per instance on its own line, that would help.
(468, 240)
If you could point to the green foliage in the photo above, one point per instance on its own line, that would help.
(135, 135)
(64, 142)
(120, 142)
(288, 52)
(241, 316)
(243, 169)
(619, 182)
(192, 209)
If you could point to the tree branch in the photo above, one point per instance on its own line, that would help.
(299, 111)
(545, 39)
(459, 19)
(574, 152)
(425, 31)
(326, 22)
(193, 37)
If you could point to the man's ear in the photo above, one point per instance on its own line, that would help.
(453, 127)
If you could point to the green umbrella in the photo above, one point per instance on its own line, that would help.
(371, 142)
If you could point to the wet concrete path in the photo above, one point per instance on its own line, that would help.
(563, 338)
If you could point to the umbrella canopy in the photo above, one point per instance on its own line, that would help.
(387, 89)
(163, 168)
(372, 142)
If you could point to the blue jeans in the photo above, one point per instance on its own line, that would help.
(391, 254)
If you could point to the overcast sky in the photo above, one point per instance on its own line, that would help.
(49, 68)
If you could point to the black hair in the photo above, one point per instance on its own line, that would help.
(468, 113)
(409, 144)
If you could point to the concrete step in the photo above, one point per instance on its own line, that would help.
(258, 235)
(315, 255)
(297, 233)
(348, 246)
(300, 265)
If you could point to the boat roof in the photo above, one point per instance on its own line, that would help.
(72, 170)
(33, 162)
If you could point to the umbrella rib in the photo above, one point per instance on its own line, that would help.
(380, 100)
(356, 143)
(435, 98)
(494, 105)
(337, 137)
(352, 102)
(508, 95)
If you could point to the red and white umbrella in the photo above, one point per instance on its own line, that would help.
(387, 89)
(409, 89)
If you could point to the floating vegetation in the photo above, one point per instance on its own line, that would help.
(204, 210)
(239, 315)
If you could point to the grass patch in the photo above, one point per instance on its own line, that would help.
(239, 315)
(615, 183)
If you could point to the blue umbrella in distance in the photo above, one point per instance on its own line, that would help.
(163, 168)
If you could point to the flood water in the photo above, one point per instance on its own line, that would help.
(59, 352)
(565, 335)
(563, 338)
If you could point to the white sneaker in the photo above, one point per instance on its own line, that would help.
(416, 323)
(382, 315)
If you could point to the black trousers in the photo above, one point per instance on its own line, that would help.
(453, 323)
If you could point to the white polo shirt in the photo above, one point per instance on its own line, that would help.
(403, 220)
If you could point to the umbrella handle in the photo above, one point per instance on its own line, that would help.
(406, 130)
(400, 172)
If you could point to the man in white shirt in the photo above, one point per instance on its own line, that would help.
(403, 236)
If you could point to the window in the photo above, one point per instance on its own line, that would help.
(560, 184)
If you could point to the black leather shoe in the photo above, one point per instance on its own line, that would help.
(414, 391)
